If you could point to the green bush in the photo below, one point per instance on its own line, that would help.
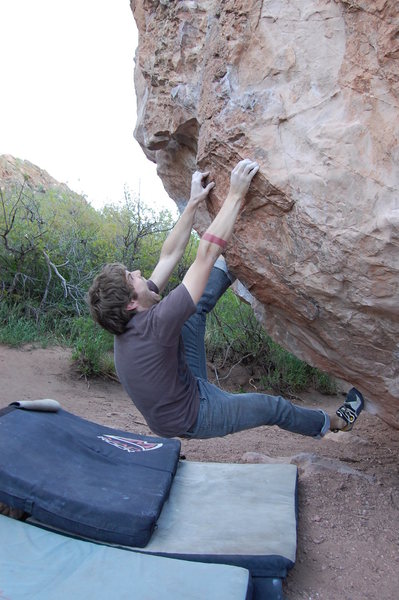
(92, 349)
(232, 331)
(234, 335)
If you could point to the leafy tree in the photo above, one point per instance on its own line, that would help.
(53, 243)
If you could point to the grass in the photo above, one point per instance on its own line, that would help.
(17, 329)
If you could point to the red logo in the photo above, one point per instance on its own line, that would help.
(129, 444)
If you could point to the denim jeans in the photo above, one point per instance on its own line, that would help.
(221, 412)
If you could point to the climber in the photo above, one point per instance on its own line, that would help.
(159, 344)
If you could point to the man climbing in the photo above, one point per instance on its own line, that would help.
(159, 344)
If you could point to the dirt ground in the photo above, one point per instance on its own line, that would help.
(348, 532)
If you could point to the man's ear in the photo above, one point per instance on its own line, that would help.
(132, 305)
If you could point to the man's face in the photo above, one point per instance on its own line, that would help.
(136, 281)
(145, 298)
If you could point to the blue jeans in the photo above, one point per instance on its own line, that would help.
(221, 412)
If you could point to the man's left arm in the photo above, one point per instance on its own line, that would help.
(176, 242)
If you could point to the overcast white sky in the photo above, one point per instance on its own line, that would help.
(67, 99)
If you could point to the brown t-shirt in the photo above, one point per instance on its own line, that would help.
(151, 365)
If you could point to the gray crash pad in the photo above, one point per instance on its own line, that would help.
(243, 515)
(36, 564)
(229, 509)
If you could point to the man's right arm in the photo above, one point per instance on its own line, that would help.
(220, 230)
(176, 242)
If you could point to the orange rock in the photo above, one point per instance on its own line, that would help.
(310, 91)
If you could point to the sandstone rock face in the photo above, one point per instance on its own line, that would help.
(309, 89)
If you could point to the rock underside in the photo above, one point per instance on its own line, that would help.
(310, 90)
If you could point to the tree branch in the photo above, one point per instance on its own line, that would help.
(56, 271)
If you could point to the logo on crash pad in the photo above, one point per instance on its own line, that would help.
(129, 444)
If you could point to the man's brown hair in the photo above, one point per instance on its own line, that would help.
(109, 296)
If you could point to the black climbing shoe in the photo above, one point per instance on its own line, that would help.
(351, 408)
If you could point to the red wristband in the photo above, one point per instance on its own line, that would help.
(214, 239)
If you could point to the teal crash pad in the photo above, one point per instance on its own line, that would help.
(36, 564)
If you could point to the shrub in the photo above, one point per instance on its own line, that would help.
(92, 349)
(234, 335)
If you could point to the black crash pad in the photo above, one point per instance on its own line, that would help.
(84, 478)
